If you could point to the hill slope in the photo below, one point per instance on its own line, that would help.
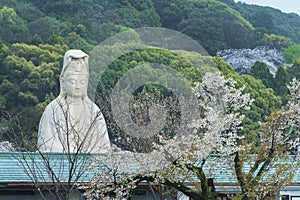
(212, 23)
(216, 24)
(270, 19)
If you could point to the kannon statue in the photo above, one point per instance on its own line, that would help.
(72, 122)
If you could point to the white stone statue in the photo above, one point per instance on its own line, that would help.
(72, 122)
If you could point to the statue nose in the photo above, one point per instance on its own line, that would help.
(78, 85)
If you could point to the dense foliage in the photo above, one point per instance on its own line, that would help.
(29, 80)
(269, 20)
(214, 24)
(80, 23)
(35, 34)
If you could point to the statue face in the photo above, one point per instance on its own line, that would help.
(75, 84)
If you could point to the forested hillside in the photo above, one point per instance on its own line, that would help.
(34, 34)
(216, 25)
(269, 20)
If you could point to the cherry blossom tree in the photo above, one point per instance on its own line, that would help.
(176, 161)
(243, 59)
(271, 156)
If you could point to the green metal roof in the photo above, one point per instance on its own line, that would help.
(17, 167)
(27, 167)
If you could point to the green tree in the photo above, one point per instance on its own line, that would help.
(75, 41)
(131, 61)
(276, 41)
(282, 79)
(261, 71)
(207, 31)
(292, 54)
(45, 27)
(265, 101)
(202, 18)
(13, 28)
(293, 71)
(270, 19)
(271, 158)
(54, 39)
(263, 20)
(36, 40)
(100, 32)
(29, 76)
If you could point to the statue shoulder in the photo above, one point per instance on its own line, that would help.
(91, 103)
(53, 105)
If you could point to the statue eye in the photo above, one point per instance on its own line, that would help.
(73, 82)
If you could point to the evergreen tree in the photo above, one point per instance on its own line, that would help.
(260, 71)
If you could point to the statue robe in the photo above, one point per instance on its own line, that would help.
(73, 127)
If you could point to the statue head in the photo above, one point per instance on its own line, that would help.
(74, 75)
